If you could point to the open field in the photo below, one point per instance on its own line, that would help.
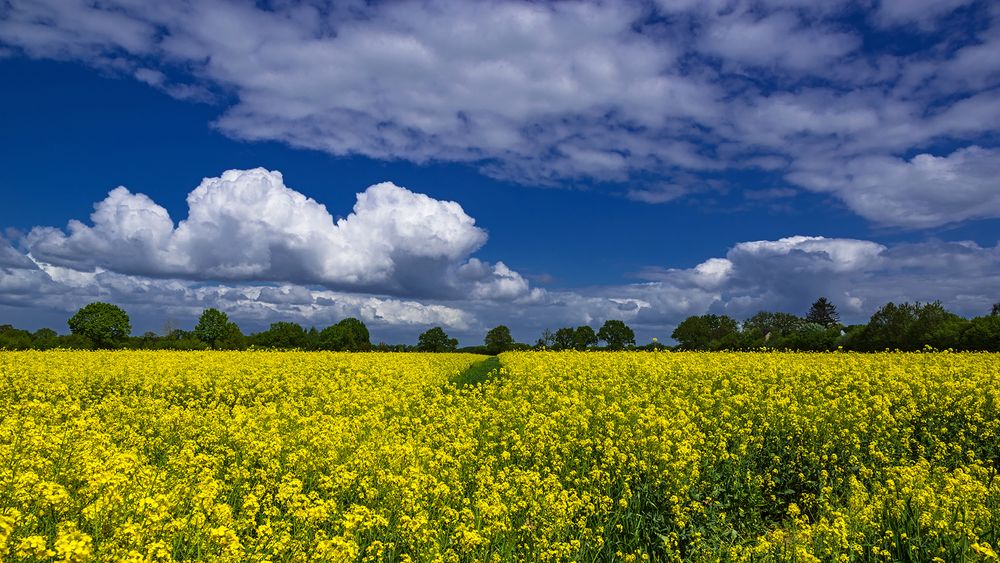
(254, 456)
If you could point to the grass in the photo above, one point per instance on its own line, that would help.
(478, 372)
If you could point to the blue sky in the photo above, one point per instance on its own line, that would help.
(548, 164)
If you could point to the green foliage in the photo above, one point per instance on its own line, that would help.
(282, 336)
(811, 337)
(212, 325)
(584, 337)
(766, 325)
(349, 335)
(44, 339)
(333, 337)
(436, 340)
(824, 313)
(106, 325)
(14, 339)
(498, 340)
(564, 339)
(616, 334)
(982, 333)
(231, 338)
(698, 333)
(911, 326)
(546, 340)
(359, 338)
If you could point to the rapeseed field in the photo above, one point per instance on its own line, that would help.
(557, 456)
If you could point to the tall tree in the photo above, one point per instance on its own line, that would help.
(334, 337)
(563, 339)
(498, 340)
(616, 334)
(584, 337)
(996, 310)
(359, 339)
(436, 340)
(823, 312)
(106, 325)
(211, 326)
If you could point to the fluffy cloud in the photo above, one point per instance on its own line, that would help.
(924, 191)
(545, 93)
(246, 225)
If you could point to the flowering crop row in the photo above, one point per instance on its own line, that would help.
(265, 456)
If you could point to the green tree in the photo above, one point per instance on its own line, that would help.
(811, 337)
(44, 339)
(348, 335)
(616, 334)
(982, 333)
(704, 332)
(14, 338)
(935, 326)
(563, 339)
(359, 339)
(334, 337)
(584, 337)
(766, 325)
(212, 325)
(282, 335)
(498, 340)
(104, 324)
(436, 340)
(911, 326)
(822, 312)
(231, 338)
(888, 328)
(996, 310)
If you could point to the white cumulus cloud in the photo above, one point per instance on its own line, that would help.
(246, 225)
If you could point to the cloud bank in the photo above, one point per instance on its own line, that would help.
(402, 262)
(668, 97)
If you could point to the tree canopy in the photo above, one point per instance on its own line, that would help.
(436, 340)
(822, 312)
(211, 327)
(697, 333)
(498, 340)
(584, 337)
(616, 334)
(282, 335)
(348, 335)
(104, 324)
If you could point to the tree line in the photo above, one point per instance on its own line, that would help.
(903, 326)
(107, 326)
